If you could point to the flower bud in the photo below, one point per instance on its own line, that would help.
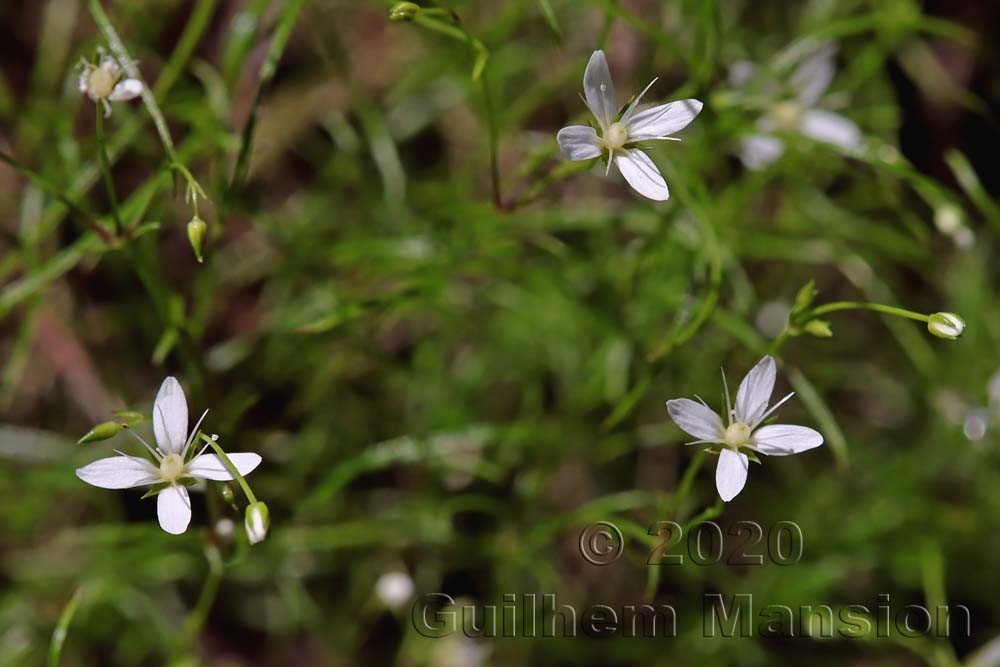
(404, 11)
(196, 230)
(227, 494)
(946, 325)
(101, 432)
(257, 522)
(818, 328)
(128, 418)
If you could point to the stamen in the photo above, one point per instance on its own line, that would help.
(772, 409)
(194, 432)
(145, 444)
(729, 407)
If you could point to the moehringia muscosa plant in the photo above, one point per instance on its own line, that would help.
(622, 134)
(741, 434)
(174, 467)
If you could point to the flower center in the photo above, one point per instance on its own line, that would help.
(737, 435)
(786, 115)
(172, 468)
(100, 82)
(616, 136)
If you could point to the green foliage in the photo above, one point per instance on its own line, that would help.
(452, 348)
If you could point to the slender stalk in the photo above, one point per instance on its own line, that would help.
(89, 219)
(62, 628)
(231, 468)
(861, 305)
(494, 140)
(267, 71)
(209, 591)
(109, 183)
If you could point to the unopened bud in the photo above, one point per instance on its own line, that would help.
(818, 328)
(946, 325)
(404, 11)
(101, 432)
(257, 522)
(128, 418)
(227, 494)
(197, 229)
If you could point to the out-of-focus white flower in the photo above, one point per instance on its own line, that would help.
(105, 82)
(801, 112)
(173, 470)
(460, 651)
(946, 325)
(620, 132)
(394, 589)
(740, 432)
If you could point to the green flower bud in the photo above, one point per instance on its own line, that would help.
(404, 11)
(101, 432)
(805, 297)
(818, 328)
(946, 325)
(128, 418)
(197, 229)
(227, 494)
(257, 522)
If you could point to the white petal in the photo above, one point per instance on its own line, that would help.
(759, 150)
(642, 174)
(663, 120)
(831, 128)
(173, 509)
(126, 89)
(695, 419)
(813, 76)
(755, 392)
(731, 474)
(782, 440)
(578, 142)
(210, 466)
(600, 90)
(170, 416)
(119, 472)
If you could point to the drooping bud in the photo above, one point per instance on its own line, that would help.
(196, 230)
(404, 11)
(946, 325)
(101, 432)
(257, 521)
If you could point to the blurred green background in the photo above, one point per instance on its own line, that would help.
(452, 389)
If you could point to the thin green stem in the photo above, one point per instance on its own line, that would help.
(861, 305)
(267, 71)
(62, 628)
(109, 183)
(231, 468)
(494, 139)
(209, 591)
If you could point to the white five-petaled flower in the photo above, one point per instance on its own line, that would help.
(105, 82)
(619, 135)
(801, 113)
(174, 469)
(741, 432)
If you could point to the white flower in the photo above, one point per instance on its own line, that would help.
(741, 430)
(394, 589)
(619, 134)
(800, 114)
(105, 82)
(173, 470)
